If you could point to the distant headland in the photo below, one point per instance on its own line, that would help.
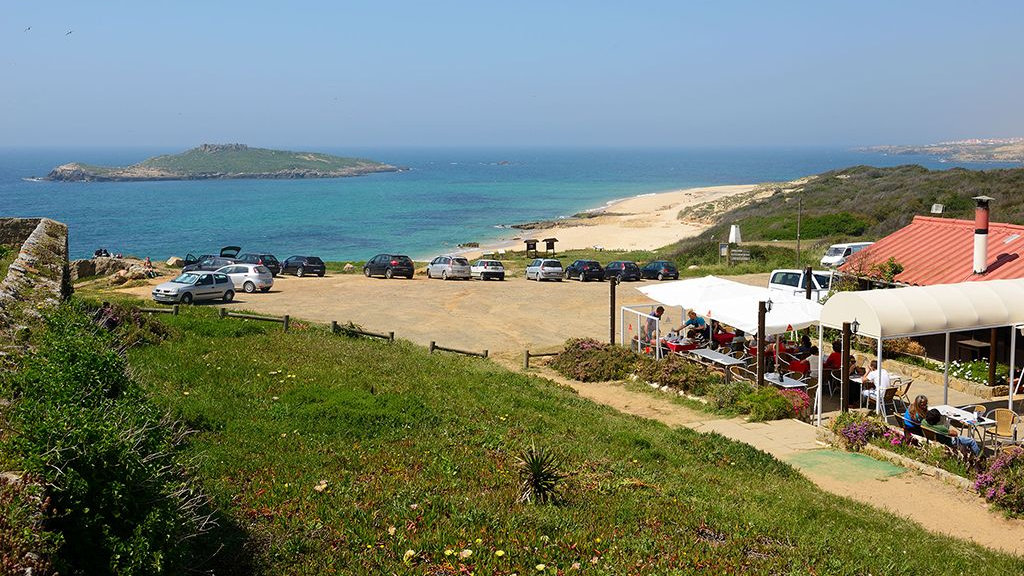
(224, 161)
(973, 150)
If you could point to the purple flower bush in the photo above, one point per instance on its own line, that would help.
(857, 429)
(1003, 482)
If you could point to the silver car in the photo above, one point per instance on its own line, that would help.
(195, 286)
(544, 269)
(249, 277)
(449, 267)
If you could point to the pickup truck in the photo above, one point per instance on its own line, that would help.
(794, 283)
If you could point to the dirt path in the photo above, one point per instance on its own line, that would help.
(928, 501)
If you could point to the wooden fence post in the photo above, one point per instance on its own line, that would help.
(174, 310)
(391, 336)
(485, 353)
(223, 312)
(286, 321)
(526, 359)
(432, 346)
(334, 326)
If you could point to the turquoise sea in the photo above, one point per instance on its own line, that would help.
(447, 197)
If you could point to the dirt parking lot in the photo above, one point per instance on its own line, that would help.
(502, 317)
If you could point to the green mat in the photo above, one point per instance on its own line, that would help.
(844, 465)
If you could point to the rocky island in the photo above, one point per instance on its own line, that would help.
(223, 161)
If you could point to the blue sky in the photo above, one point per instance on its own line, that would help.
(478, 73)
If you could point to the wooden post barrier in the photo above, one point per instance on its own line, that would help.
(335, 328)
(173, 311)
(284, 320)
(527, 355)
(434, 346)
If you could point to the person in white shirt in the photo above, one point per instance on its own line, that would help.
(813, 359)
(879, 377)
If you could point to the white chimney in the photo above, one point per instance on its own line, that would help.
(981, 234)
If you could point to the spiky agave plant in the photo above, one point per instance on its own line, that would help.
(539, 476)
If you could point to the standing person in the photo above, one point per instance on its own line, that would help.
(651, 331)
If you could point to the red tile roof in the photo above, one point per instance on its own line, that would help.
(941, 251)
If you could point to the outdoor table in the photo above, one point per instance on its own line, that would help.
(784, 382)
(972, 346)
(683, 345)
(723, 360)
(723, 338)
(969, 418)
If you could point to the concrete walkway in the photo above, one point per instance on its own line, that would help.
(897, 490)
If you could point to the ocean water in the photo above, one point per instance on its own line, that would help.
(447, 197)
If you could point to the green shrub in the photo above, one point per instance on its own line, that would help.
(1003, 482)
(589, 360)
(25, 547)
(767, 403)
(675, 372)
(108, 457)
(728, 397)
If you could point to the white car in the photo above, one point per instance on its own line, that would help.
(192, 287)
(485, 269)
(793, 283)
(544, 269)
(449, 267)
(249, 277)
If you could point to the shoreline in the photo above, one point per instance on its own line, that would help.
(643, 222)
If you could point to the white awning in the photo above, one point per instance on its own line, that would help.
(922, 310)
(735, 304)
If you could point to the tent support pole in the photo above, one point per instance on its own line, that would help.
(761, 311)
(879, 404)
(945, 374)
(844, 370)
(821, 374)
(1013, 362)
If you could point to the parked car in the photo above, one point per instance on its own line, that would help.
(208, 264)
(486, 269)
(389, 266)
(584, 270)
(303, 266)
(794, 283)
(623, 270)
(230, 251)
(449, 267)
(268, 260)
(249, 277)
(545, 269)
(195, 286)
(838, 254)
(225, 252)
(660, 269)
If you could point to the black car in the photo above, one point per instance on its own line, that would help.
(303, 266)
(209, 263)
(267, 260)
(584, 270)
(622, 270)
(389, 266)
(660, 269)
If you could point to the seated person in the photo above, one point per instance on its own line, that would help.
(835, 358)
(875, 381)
(947, 434)
(812, 359)
(804, 349)
(694, 327)
(914, 414)
(739, 340)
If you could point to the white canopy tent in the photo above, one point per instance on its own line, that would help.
(925, 310)
(735, 304)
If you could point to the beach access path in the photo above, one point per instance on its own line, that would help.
(928, 501)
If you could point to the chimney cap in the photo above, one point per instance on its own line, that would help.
(983, 199)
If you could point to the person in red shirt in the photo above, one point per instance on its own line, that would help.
(835, 359)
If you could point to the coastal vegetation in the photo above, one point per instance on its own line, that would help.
(863, 202)
(213, 161)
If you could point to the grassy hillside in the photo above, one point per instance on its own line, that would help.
(863, 202)
(362, 457)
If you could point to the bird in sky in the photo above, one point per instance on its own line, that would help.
(27, 29)
(68, 33)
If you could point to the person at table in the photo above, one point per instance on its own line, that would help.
(933, 422)
(813, 357)
(877, 378)
(651, 330)
(835, 359)
(739, 341)
(695, 326)
(804, 349)
(853, 385)
(914, 414)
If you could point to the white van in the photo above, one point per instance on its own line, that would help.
(837, 254)
(793, 283)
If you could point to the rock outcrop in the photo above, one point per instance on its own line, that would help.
(39, 277)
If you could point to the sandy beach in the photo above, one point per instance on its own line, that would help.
(642, 222)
